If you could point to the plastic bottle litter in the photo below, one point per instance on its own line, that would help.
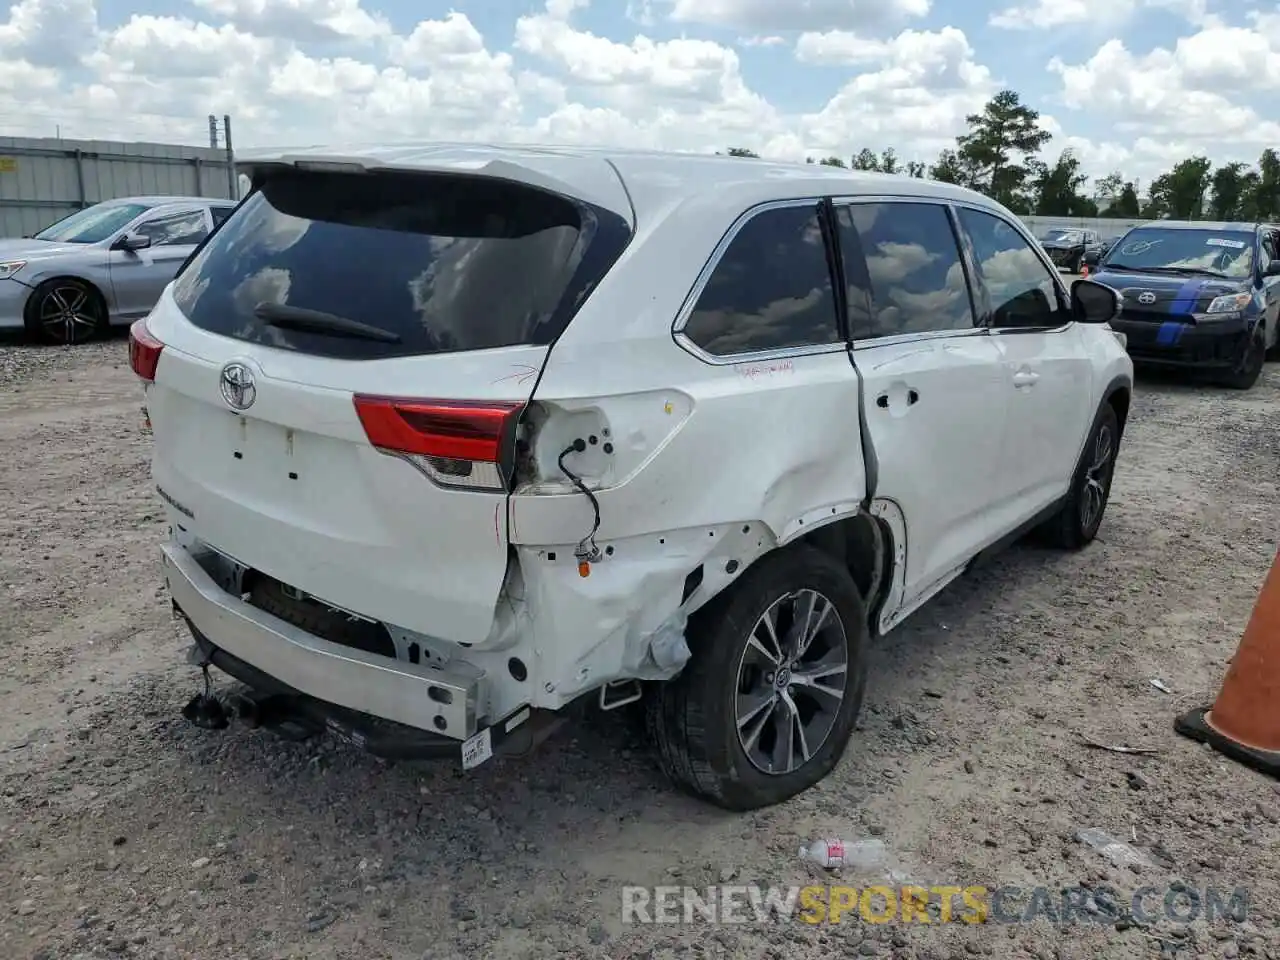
(837, 854)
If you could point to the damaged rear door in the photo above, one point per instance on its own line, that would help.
(933, 382)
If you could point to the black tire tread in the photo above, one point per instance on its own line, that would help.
(677, 720)
(1063, 530)
(1244, 378)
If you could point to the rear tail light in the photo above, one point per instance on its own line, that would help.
(466, 445)
(144, 351)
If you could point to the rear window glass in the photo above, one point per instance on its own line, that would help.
(420, 263)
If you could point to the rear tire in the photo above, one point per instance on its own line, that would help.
(1250, 368)
(723, 726)
(1077, 523)
(65, 310)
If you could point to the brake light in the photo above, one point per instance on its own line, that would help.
(144, 351)
(468, 445)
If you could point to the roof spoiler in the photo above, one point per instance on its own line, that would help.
(497, 169)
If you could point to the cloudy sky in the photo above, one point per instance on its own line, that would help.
(1130, 84)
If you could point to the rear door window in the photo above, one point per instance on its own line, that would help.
(429, 263)
(770, 290)
(908, 255)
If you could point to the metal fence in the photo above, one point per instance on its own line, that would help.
(43, 180)
(1106, 226)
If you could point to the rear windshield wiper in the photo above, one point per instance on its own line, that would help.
(318, 321)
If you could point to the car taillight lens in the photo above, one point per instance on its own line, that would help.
(144, 351)
(467, 445)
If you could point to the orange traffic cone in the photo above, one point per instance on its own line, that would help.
(1244, 722)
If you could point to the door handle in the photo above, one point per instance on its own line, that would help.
(1025, 378)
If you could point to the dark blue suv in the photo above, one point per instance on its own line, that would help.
(1203, 296)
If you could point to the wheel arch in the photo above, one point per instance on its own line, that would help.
(863, 544)
(99, 294)
(1119, 395)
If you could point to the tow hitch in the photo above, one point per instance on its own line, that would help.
(204, 710)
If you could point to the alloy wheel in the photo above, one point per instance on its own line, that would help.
(792, 678)
(1097, 479)
(68, 314)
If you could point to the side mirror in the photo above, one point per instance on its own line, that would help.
(1273, 269)
(1092, 257)
(1093, 302)
(131, 242)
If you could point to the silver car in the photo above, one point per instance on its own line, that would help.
(101, 266)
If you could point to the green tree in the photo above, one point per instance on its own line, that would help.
(742, 152)
(950, 168)
(1156, 206)
(866, 160)
(1266, 194)
(1250, 182)
(1126, 205)
(831, 162)
(1230, 185)
(1055, 190)
(999, 141)
(1110, 186)
(1180, 192)
(889, 161)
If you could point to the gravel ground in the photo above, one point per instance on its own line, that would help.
(124, 832)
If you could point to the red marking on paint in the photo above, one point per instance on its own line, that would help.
(754, 371)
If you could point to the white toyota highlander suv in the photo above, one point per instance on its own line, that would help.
(452, 437)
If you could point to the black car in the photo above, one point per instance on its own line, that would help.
(1094, 254)
(1197, 295)
(1067, 246)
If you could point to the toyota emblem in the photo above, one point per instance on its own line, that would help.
(237, 386)
(1147, 297)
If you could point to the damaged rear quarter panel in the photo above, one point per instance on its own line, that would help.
(715, 473)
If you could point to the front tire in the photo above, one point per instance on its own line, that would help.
(766, 705)
(1076, 524)
(65, 310)
(1250, 368)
